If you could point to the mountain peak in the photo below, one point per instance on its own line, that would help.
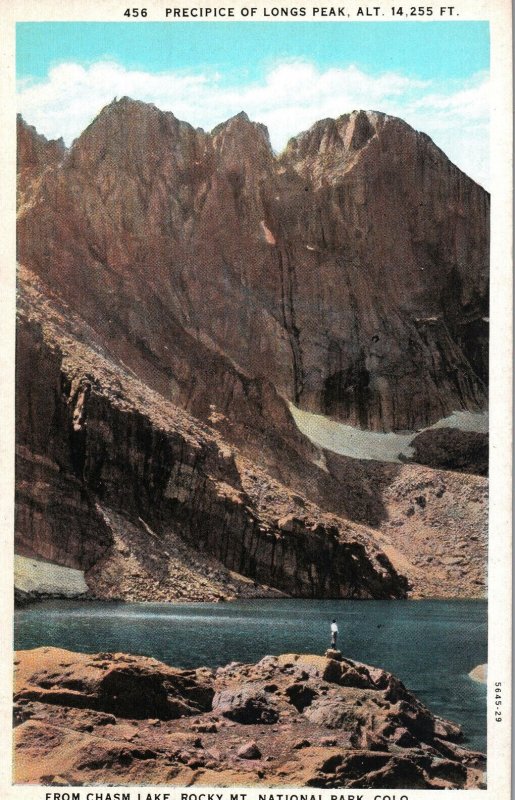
(240, 121)
(127, 105)
(349, 132)
(30, 130)
(240, 137)
(35, 153)
(242, 115)
(131, 132)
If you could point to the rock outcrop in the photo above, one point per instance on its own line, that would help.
(300, 720)
(479, 673)
(448, 448)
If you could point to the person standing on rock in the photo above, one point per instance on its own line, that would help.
(334, 634)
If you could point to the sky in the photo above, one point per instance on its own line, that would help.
(287, 75)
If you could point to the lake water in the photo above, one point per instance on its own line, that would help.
(431, 645)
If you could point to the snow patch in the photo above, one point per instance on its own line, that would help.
(473, 422)
(31, 575)
(371, 445)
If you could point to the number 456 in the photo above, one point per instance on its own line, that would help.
(135, 12)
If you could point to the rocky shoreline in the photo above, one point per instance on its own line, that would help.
(298, 720)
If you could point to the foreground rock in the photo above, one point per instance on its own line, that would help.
(301, 720)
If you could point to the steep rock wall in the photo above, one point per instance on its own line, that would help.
(351, 272)
(91, 437)
(56, 517)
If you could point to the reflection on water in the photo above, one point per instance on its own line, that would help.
(431, 645)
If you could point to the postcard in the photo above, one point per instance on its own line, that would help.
(257, 376)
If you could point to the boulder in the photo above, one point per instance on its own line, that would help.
(247, 705)
(249, 750)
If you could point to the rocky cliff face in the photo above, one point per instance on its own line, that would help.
(385, 214)
(135, 473)
(177, 288)
(351, 272)
(301, 720)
